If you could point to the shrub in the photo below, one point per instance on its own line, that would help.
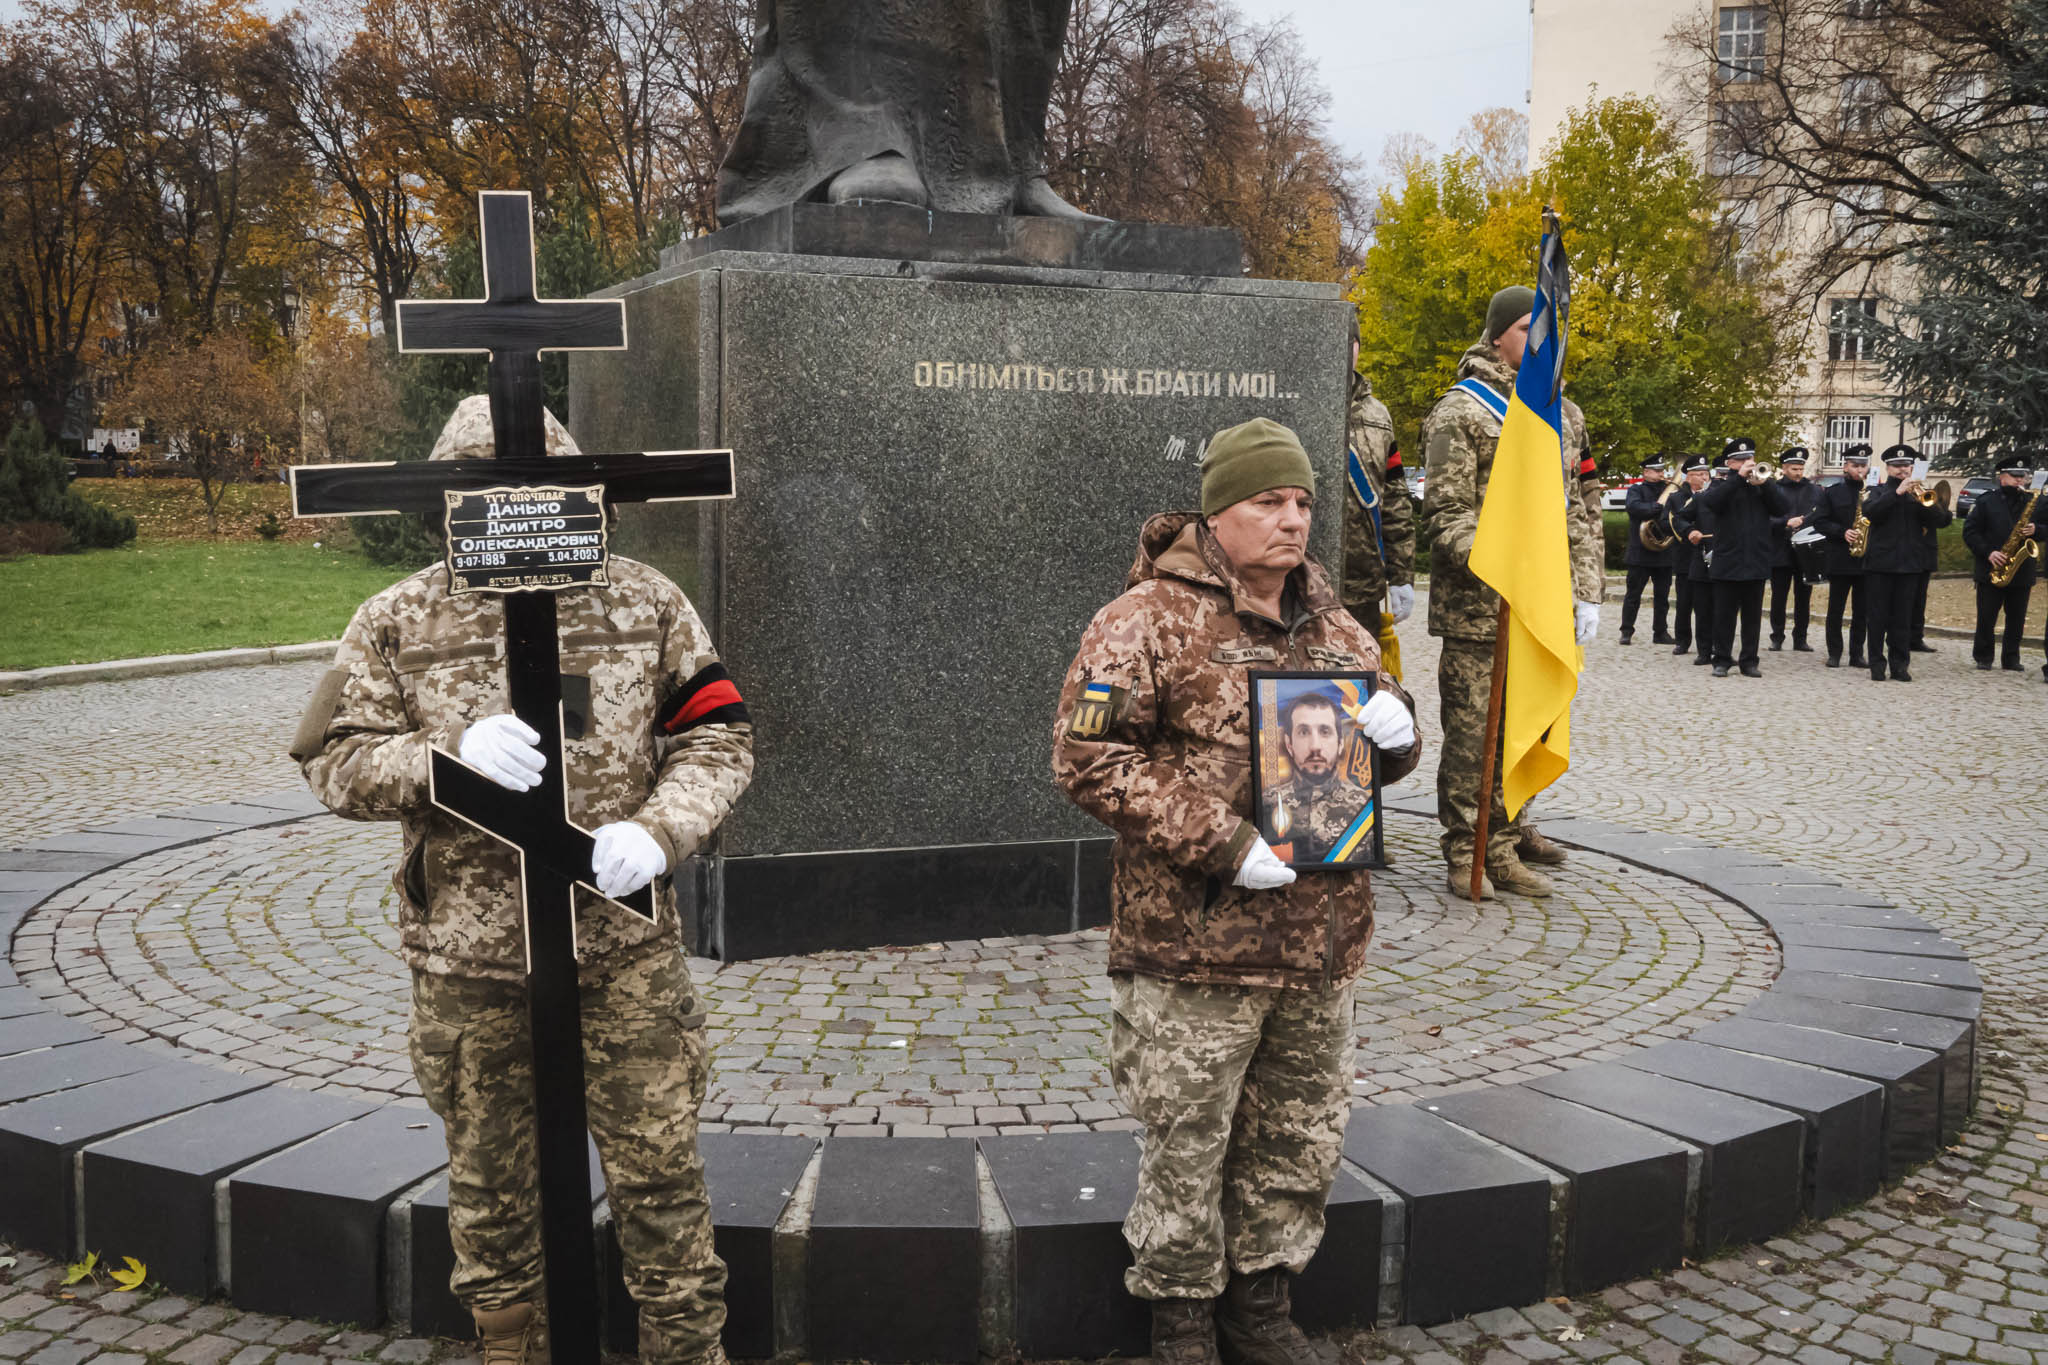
(35, 488)
(32, 538)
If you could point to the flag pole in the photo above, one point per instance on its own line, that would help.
(1488, 754)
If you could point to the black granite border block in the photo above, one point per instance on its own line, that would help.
(61, 1068)
(46, 1029)
(1067, 1194)
(40, 1138)
(1478, 1218)
(150, 1193)
(306, 1227)
(1752, 1171)
(1844, 1154)
(1629, 1185)
(895, 1251)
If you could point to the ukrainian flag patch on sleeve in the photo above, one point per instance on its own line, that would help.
(1099, 706)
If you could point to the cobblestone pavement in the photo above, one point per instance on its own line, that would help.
(275, 950)
(1948, 1264)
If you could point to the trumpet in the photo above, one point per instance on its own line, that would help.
(1938, 496)
(1762, 472)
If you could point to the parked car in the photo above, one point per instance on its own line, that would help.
(1616, 498)
(1971, 489)
(1415, 484)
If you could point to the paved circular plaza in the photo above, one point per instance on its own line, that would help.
(276, 950)
(1929, 794)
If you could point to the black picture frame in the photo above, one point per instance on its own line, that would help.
(1278, 820)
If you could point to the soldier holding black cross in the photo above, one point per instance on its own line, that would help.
(554, 732)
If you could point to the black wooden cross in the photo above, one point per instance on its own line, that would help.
(514, 326)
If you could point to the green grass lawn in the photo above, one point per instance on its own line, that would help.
(176, 598)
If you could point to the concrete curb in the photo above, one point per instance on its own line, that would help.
(114, 670)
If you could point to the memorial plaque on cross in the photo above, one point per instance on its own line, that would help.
(514, 326)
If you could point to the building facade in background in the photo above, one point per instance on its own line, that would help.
(1587, 49)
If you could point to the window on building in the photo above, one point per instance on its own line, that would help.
(1740, 43)
(1742, 221)
(1956, 96)
(1862, 103)
(1849, 329)
(1936, 439)
(1857, 216)
(1846, 429)
(1862, 11)
(1733, 148)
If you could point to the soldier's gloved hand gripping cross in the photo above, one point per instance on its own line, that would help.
(623, 857)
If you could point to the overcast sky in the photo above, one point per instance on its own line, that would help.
(1413, 66)
(1392, 66)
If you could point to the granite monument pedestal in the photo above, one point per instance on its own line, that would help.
(942, 471)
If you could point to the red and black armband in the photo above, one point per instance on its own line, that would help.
(1394, 466)
(708, 698)
(1588, 467)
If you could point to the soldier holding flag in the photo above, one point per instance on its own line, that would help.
(1464, 438)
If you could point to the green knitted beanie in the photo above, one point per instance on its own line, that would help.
(1509, 307)
(1246, 460)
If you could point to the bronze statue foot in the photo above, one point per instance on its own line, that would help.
(1035, 199)
(888, 177)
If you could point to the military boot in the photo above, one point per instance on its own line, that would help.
(1253, 1326)
(512, 1336)
(1184, 1332)
(1459, 880)
(1533, 846)
(1509, 875)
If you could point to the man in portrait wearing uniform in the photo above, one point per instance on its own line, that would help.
(1378, 584)
(666, 749)
(1786, 575)
(1459, 438)
(1743, 506)
(1891, 566)
(1648, 504)
(1694, 522)
(1231, 981)
(1835, 515)
(1987, 530)
(1315, 807)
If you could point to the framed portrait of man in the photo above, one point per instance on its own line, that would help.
(1315, 779)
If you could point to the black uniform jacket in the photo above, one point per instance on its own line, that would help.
(1742, 512)
(1693, 514)
(1895, 522)
(1803, 496)
(1834, 513)
(1990, 524)
(1642, 507)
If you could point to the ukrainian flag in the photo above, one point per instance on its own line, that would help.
(1523, 551)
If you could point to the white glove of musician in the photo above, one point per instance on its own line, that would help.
(502, 749)
(625, 858)
(1401, 602)
(1586, 620)
(1262, 869)
(1385, 721)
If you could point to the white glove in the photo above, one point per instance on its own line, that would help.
(1586, 615)
(625, 858)
(1401, 602)
(502, 749)
(1262, 870)
(1385, 721)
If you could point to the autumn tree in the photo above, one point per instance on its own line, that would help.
(1674, 342)
(56, 164)
(216, 408)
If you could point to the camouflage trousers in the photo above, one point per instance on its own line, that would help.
(645, 1066)
(1244, 1092)
(1464, 684)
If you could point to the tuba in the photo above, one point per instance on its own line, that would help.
(2018, 548)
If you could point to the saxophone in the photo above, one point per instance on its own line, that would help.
(2018, 548)
(1861, 528)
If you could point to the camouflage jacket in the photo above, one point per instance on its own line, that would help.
(1379, 552)
(1459, 437)
(419, 664)
(1168, 767)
